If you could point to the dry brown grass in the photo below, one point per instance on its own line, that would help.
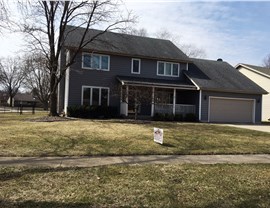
(21, 137)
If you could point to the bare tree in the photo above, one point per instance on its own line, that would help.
(135, 97)
(4, 13)
(11, 76)
(266, 61)
(138, 32)
(46, 23)
(38, 78)
(189, 49)
(192, 51)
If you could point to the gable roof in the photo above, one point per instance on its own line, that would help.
(220, 76)
(126, 45)
(260, 69)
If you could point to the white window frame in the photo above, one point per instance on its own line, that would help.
(135, 59)
(100, 61)
(91, 94)
(172, 63)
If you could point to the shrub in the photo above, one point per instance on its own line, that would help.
(169, 117)
(159, 117)
(190, 117)
(92, 111)
(178, 117)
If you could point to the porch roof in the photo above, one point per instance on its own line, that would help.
(138, 81)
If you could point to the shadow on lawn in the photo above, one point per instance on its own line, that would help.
(60, 146)
(245, 199)
(18, 174)
(43, 204)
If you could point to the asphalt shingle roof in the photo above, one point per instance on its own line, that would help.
(127, 45)
(258, 68)
(221, 76)
(157, 82)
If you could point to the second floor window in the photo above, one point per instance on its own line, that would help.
(135, 66)
(167, 69)
(95, 61)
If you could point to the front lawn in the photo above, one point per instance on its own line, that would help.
(21, 137)
(186, 186)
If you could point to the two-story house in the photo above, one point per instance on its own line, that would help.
(114, 62)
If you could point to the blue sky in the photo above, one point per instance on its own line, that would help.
(237, 32)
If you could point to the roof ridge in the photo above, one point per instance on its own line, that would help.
(120, 33)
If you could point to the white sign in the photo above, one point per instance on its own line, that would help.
(158, 135)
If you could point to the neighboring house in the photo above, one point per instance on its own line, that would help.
(261, 76)
(3, 98)
(24, 99)
(213, 90)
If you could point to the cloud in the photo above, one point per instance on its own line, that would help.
(223, 29)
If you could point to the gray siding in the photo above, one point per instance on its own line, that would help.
(119, 66)
(205, 103)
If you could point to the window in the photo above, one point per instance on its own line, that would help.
(95, 96)
(135, 66)
(95, 61)
(168, 69)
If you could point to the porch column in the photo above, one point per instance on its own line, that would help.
(124, 102)
(127, 100)
(174, 100)
(153, 102)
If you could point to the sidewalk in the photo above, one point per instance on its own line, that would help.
(126, 160)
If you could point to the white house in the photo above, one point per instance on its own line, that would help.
(261, 76)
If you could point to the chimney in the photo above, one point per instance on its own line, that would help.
(219, 59)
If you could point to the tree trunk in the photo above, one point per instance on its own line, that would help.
(53, 104)
(53, 94)
(45, 105)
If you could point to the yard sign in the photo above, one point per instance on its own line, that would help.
(158, 135)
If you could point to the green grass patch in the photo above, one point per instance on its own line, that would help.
(21, 137)
(137, 186)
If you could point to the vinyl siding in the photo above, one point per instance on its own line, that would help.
(119, 66)
(263, 82)
(207, 94)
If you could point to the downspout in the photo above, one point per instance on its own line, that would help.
(67, 84)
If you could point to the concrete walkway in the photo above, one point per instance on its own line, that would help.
(150, 159)
(264, 128)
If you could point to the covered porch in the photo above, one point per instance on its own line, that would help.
(158, 96)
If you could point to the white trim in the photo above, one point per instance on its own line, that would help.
(230, 98)
(174, 100)
(91, 93)
(193, 82)
(100, 61)
(164, 62)
(127, 100)
(66, 84)
(153, 102)
(135, 59)
(187, 67)
(160, 86)
(253, 70)
(200, 106)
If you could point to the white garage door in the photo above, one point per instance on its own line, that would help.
(231, 110)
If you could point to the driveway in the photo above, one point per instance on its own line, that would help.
(264, 128)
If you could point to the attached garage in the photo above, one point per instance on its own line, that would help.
(231, 110)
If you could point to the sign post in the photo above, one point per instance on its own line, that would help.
(158, 135)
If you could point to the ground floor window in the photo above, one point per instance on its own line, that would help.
(95, 96)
